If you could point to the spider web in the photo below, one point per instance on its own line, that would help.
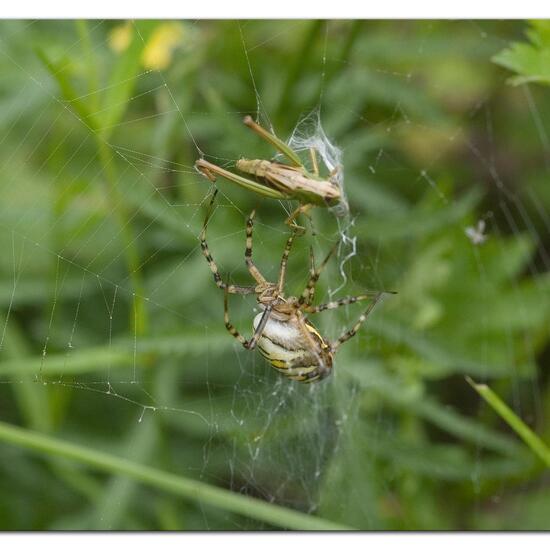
(112, 329)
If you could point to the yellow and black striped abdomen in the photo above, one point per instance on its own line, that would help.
(301, 357)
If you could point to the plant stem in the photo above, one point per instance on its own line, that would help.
(172, 483)
(139, 314)
(531, 439)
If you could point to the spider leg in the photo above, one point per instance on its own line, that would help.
(247, 344)
(253, 270)
(311, 274)
(345, 301)
(307, 294)
(302, 209)
(284, 262)
(353, 330)
(232, 289)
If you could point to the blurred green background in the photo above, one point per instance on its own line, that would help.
(111, 328)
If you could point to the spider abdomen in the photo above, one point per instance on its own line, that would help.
(296, 350)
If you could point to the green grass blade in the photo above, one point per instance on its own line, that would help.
(431, 410)
(68, 91)
(119, 354)
(83, 30)
(120, 97)
(32, 401)
(436, 353)
(302, 57)
(528, 436)
(123, 78)
(165, 481)
(119, 493)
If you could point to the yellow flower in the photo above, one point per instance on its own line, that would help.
(157, 54)
(120, 37)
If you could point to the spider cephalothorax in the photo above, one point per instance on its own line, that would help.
(282, 332)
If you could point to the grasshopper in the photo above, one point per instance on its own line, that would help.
(276, 180)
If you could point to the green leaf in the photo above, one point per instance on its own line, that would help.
(530, 61)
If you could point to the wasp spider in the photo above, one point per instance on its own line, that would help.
(282, 332)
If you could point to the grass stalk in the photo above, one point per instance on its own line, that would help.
(507, 414)
(171, 483)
